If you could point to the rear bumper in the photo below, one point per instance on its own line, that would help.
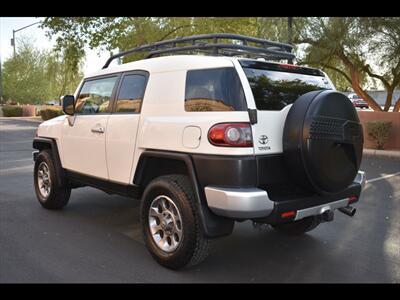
(254, 203)
(239, 202)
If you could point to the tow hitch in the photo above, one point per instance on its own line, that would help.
(348, 210)
(327, 216)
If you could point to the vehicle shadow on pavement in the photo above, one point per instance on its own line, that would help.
(334, 252)
(255, 255)
(340, 251)
(113, 212)
(246, 252)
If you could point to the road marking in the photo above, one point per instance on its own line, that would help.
(4, 171)
(382, 177)
(11, 161)
(15, 142)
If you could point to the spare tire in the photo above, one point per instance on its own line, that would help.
(323, 142)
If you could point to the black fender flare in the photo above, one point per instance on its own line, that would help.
(41, 143)
(213, 225)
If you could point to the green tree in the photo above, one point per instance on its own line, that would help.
(23, 77)
(64, 71)
(35, 76)
(122, 33)
(359, 49)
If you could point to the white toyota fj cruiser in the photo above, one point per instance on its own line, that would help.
(206, 140)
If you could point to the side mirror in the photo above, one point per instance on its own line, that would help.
(68, 104)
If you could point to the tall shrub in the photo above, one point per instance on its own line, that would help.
(379, 131)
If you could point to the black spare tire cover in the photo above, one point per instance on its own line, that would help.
(323, 141)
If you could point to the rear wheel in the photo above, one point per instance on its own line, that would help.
(298, 227)
(47, 189)
(170, 223)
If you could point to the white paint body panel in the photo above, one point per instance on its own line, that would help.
(161, 124)
(191, 137)
(52, 129)
(270, 123)
(120, 145)
(84, 151)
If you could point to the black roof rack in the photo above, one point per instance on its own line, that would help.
(260, 49)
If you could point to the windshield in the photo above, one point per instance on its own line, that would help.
(273, 90)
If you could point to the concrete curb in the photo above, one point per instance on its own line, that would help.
(395, 154)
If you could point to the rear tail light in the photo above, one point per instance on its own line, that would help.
(288, 67)
(352, 199)
(231, 135)
(288, 214)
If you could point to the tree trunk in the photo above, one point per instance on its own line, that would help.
(396, 107)
(355, 81)
(389, 96)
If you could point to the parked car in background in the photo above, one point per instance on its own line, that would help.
(358, 101)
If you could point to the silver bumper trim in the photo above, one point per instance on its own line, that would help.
(255, 203)
(320, 209)
(317, 210)
(361, 179)
(238, 203)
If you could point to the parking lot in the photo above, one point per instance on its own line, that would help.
(97, 237)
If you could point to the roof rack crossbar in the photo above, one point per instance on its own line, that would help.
(267, 48)
(235, 52)
(246, 50)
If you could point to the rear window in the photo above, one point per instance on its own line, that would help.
(214, 90)
(273, 90)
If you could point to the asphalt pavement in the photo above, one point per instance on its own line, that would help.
(97, 237)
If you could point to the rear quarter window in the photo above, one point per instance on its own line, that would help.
(214, 90)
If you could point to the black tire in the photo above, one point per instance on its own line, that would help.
(58, 196)
(298, 227)
(193, 246)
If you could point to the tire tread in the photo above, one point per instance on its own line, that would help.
(181, 185)
(59, 196)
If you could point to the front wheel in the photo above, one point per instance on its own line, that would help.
(48, 191)
(170, 223)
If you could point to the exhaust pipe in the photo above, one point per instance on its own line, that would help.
(348, 210)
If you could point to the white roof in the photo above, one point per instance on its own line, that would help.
(169, 63)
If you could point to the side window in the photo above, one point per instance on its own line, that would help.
(131, 93)
(94, 97)
(214, 90)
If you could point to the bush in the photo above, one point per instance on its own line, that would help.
(12, 111)
(50, 113)
(379, 131)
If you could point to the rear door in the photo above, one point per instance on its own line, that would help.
(122, 126)
(83, 142)
(274, 88)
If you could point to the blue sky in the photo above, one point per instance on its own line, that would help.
(93, 61)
